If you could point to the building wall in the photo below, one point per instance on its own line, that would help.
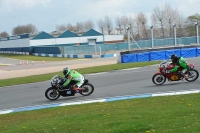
(85, 39)
(42, 42)
(71, 40)
(15, 43)
(108, 38)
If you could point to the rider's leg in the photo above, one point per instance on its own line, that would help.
(184, 73)
(80, 81)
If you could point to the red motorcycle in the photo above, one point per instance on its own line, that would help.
(160, 77)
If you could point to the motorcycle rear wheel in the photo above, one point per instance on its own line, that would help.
(52, 93)
(158, 79)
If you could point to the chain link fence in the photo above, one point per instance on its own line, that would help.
(116, 47)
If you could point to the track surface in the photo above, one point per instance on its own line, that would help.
(110, 84)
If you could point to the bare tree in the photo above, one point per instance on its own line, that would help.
(21, 29)
(179, 22)
(101, 25)
(70, 27)
(89, 25)
(4, 34)
(169, 16)
(61, 28)
(142, 20)
(131, 23)
(108, 24)
(119, 24)
(159, 13)
(154, 23)
(79, 26)
(137, 26)
(124, 22)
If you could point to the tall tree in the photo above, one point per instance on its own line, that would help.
(70, 27)
(124, 22)
(4, 34)
(179, 22)
(88, 25)
(169, 16)
(159, 14)
(119, 24)
(190, 23)
(101, 25)
(108, 24)
(21, 29)
(79, 26)
(61, 28)
(142, 20)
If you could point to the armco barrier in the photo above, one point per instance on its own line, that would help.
(168, 53)
(129, 58)
(159, 55)
(74, 56)
(142, 57)
(190, 52)
(198, 51)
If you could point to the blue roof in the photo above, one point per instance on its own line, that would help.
(43, 35)
(67, 34)
(92, 32)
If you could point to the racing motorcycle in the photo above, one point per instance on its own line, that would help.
(160, 77)
(54, 92)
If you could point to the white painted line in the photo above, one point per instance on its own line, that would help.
(6, 111)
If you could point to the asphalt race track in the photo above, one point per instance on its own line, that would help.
(109, 84)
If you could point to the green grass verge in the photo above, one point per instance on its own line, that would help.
(89, 70)
(35, 58)
(170, 114)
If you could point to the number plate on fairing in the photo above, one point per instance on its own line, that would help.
(68, 92)
(174, 77)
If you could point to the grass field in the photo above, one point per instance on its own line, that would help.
(170, 114)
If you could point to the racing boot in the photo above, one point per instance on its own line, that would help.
(186, 76)
(181, 75)
(77, 89)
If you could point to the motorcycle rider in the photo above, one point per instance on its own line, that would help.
(179, 62)
(70, 75)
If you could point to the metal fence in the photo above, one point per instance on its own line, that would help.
(141, 44)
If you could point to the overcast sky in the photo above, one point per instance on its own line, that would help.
(46, 14)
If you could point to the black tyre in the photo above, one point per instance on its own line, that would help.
(52, 94)
(193, 75)
(158, 79)
(87, 89)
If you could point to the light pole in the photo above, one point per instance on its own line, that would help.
(152, 44)
(197, 30)
(174, 25)
(128, 30)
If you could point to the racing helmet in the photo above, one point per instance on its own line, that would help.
(66, 71)
(174, 58)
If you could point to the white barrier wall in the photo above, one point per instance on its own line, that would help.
(42, 42)
(113, 37)
(70, 40)
(15, 43)
(85, 39)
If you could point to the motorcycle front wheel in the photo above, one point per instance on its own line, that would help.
(193, 75)
(52, 93)
(87, 89)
